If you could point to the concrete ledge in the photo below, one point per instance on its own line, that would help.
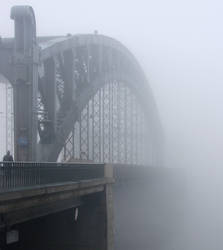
(26, 192)
(40, 195)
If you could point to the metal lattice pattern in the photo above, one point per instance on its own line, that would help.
(111, 128)
(81, 97)
(93, 102)
(9, 118)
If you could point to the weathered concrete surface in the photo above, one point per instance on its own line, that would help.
(45, 215)
(91, 231)
(38, 195)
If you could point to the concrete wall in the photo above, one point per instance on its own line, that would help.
(60, 231)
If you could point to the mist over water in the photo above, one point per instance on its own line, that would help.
(180, 47)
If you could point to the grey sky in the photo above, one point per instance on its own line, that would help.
(180, 47)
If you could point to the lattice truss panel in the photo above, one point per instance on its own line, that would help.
(112, 128)
(9, 118)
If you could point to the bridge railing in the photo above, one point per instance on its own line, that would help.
(24, 174)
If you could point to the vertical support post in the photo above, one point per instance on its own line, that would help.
(99, 125)
(9, 117)
(25, 83)
(64, 152)
(84, 133)
(6, 118)
(125, 124)
(87, 141)
(103, 123)
(96, 127)
(118, 123)
(136, 135)
(100, 69)
(109, 122)
(112, 121)
(94, 227)
(131, 128)
(80, 137)
(93, 124)
(73, 142)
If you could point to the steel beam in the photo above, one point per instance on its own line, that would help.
(25, 83)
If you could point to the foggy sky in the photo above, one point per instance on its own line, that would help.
(179, 45)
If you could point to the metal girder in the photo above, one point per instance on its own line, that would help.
(9, 117)
(25, 83)
(110, 131)
(122, 138)
(92, 100)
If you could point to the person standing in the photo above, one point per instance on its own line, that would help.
(8, 156)
(7, 159)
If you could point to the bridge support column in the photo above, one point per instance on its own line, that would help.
(95, 229)
(95, 224)
(91, 231)
(25, 83)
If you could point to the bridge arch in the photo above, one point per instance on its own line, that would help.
(83, 68)
(57, 80)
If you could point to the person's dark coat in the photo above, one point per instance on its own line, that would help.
(8, 158)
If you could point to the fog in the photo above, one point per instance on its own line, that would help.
(179, 46)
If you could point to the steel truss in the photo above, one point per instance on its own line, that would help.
(111, 125)
(81, 97)
(111, 128)
(9, 118)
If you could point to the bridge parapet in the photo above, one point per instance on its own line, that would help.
(38, 192)
(27, 174)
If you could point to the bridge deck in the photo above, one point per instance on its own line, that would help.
(27, 174)
(27, 203)
(60, 188)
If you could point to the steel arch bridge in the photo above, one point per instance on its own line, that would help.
(81, 97)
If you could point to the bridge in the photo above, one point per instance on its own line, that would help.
(84, 101)
(32, 193)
